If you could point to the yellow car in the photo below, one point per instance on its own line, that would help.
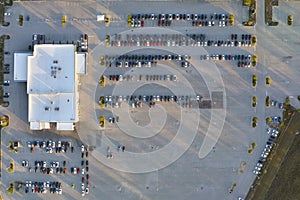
(64, 20)
(107, 20)
(102, 121)
(102, 81)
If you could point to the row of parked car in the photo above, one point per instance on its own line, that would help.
(147, 98)
(188, 42)
(42, 187)
(48, 170)
(138, 20)
(51, 146)
(179, 37)
(273, 134)
(242, 37)
(166, 77)
(135, 64)
(243, 60)
(84, 187)
(179, 16)
(275, 103)
(141, 23)
(178, 40)
(238, 57)
(148, 57)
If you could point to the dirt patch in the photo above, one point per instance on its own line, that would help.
(286, 185)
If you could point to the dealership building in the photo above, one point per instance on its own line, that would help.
(52, 74)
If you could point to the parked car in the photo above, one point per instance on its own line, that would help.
(6, 94)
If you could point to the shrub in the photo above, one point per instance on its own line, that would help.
(268, 120)
(268, 101)
(287, 101)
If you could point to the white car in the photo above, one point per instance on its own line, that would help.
(274, 134)
(6, 83)
(268, 146)
(263, 155)
(259, 165)
(87, 190)
(82, 148)
(82, 171)
(49, 150)
(74, 170)
(82, 193)
(25, 163)
(30, 144)
(59, 191)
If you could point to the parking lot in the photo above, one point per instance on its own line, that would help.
(156, 65)
(44, 166)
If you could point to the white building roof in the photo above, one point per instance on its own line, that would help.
(81, 63)
(52, 96)
(51, 69)
(52, 108)
(39, 125)
(20, 66)
(65, 126)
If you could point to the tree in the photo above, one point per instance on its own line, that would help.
(246, 2)
(287, 101)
